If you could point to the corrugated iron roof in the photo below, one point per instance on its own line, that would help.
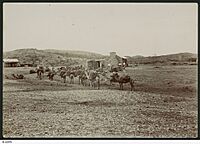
(10, 60)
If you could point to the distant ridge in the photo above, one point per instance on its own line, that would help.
(165, 59)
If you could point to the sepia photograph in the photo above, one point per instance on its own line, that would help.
(100, 70)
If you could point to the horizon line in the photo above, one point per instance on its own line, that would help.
(153, 55)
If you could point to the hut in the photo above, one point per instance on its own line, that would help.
(95, 64)
(114, 60)
(11, 63)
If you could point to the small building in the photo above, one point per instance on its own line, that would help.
(114, 60)
(95, 64)
(11, 63)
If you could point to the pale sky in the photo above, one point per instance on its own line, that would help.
(128, 29)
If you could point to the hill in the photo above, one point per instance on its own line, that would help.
(55, 57)
(179, 58)
(76, 54)
(50, 57)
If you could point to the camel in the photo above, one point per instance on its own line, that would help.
(51, 75)
(93, 78)
(63, 75)
(115, 77)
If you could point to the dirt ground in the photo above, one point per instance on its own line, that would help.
(163, 105)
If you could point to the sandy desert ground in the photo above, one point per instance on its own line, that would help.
(163, 105)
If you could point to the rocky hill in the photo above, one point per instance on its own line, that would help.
(50, 57)
(76, 54)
